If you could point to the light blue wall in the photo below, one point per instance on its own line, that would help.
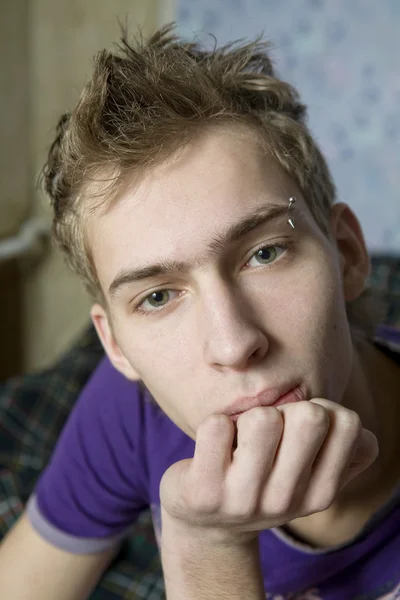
(344, 58)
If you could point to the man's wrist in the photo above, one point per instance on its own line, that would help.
(199, 567)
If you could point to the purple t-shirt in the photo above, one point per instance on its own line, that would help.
(107, 468)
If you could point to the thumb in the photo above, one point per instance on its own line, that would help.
(172, 487)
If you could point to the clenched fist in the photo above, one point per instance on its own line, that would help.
(289, 462)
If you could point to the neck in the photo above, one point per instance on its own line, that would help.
(374, 392)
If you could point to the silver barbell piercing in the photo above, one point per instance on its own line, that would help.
(292, 200)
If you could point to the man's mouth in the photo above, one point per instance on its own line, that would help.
(265, 398)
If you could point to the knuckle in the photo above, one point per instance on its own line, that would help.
(214, 426)
(240, 511)
(280, 503)
(322, 497)
(253, 417)
(323, 501)
(349, 422)
(314, 415)
(262, 417)
(275, 418)
(204, 502)
(214, 421)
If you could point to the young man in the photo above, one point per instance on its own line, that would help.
(240, 399)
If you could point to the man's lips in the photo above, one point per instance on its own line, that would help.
(266, 398)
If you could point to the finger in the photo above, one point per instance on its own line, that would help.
(258, 435)
(212, 457)
(330, 468)
(365, 453)
(305, 428)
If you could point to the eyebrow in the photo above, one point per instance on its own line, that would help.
(262, 216)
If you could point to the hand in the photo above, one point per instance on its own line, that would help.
(290, 461)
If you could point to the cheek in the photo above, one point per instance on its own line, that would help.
(164, 362)
(162, 354)
(311, 322)
(301, 303)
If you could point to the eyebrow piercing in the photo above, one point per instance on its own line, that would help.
(292, 200)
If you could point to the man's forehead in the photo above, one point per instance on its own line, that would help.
(178, 212)
(215, 161)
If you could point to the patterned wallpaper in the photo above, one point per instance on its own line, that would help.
(343, 56)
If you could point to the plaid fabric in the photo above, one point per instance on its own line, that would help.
(33, 409)
(385, 278)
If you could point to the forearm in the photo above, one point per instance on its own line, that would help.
(196, 570)
(33, 569)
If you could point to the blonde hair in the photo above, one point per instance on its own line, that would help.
(146, 100)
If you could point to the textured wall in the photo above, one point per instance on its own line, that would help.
(343, 56)
(14, 111)
(46, 53)
(64, 36)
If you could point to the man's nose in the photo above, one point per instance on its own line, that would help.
(232, 338)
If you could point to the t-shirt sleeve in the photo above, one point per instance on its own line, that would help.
(96, 483)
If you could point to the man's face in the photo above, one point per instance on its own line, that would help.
(221, 317)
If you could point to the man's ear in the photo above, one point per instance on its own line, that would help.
(103, 327)
(353, 253)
